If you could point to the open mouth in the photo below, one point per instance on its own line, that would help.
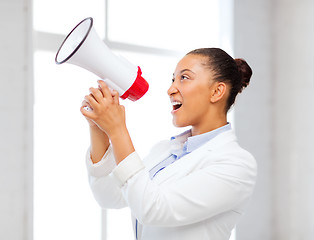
(176, 105)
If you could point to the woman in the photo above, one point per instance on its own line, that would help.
(194, 186)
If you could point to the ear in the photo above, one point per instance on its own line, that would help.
(219, 90)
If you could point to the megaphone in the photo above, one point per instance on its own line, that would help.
(84, 48)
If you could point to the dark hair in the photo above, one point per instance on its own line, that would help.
(235, 72)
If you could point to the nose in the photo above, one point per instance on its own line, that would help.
(173, 89)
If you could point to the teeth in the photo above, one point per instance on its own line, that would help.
(176, 103)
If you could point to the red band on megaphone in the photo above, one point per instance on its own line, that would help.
(138, 88)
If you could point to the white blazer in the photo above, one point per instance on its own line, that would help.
(200, 196)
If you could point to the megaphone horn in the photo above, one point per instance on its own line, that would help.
(84, 48)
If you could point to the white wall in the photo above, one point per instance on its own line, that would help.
(294, 130)
(253, 113)
(274, 116)
(16, 120)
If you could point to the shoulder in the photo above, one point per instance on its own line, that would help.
(225, 151)
(241, 156)
(227, 143)
(236, 163)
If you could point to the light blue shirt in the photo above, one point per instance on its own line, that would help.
(185, 143)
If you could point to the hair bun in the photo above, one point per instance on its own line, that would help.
(245, 72)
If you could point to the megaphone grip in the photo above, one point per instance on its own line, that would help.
(138, 88)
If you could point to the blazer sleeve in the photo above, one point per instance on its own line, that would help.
(220, 186)
(103, 184)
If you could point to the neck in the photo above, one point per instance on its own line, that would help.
(210, 125)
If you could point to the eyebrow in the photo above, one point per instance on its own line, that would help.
(185, 70)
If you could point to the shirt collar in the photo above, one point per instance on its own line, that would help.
(187, 143)
(194, 142)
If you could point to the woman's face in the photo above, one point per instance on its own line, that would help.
(190, 92)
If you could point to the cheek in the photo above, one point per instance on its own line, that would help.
(197, 99)
(198, 106)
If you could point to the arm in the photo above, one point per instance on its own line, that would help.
(100, 162)
(104, 186)
(105, 110)
(99, 143)
(109, 116)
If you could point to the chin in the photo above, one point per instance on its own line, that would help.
(179, 124)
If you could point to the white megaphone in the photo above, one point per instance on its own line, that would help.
(84, 48)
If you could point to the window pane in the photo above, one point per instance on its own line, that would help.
(176, 24)
(64, 207)
(61, 16)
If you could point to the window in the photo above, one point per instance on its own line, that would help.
(151, 34)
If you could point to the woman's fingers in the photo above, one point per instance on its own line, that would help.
(115, 96)
(90, 99)
(104, 89)
(86, 106)
(96, 94)
(86, 110)
(100, 101)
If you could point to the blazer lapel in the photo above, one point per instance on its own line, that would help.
(186, 160)
(159, 154)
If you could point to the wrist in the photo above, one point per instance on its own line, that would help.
(97, 133)
(118, 133)
(122, 144)
(95, 128)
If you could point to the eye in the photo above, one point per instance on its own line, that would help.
(184, 77)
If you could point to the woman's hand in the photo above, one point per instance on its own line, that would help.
(91, 123)
(107, 113)
(104, 109)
